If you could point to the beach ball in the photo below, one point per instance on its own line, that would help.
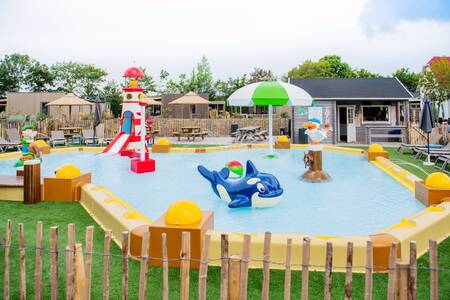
(438, 180)
(40, 143)
(235, 167)
(376, 148)
(283, 139)
(68, 171)
(183, 212)
(163, 142)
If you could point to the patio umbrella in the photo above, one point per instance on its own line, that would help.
(190, 98)
(427, 125)
(69, 100)
(97, 115)
(270, 93)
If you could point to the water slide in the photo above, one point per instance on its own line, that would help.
(117, 144)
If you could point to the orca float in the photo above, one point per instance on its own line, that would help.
(255, 189)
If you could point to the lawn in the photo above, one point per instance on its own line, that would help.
(60, 214)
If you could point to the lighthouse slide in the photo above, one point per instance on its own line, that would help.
(117, 144)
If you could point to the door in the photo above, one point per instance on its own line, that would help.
(351, 127)
(127, 123)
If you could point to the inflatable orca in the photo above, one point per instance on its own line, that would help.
(255, 189)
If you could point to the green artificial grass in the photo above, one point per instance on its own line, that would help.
(61, 214)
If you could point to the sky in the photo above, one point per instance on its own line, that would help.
(235, 35)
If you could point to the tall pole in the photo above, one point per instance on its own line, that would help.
(143, 133)
(270, 130)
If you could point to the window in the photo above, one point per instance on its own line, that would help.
(44, 108)
(193, 109)
(375, 114)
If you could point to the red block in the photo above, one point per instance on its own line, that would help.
(138, 166)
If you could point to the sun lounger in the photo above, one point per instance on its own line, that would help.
(13, 135)
(261, 135)
(433, 152)
(5, 145)
(88, 136)
(445, 159)
(403, 147)
(100, 135)
(57, 138)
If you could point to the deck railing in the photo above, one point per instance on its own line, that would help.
(234, 271)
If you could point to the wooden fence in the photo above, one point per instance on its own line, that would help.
(214, 127)
(234, 273)
(439, 135)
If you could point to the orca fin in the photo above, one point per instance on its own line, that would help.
(224, 173)
(250, 169)
(206, 173)
(240, 201)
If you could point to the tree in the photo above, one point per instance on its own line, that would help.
(39, 77)
(147, 83)
(112, 94)
(363, 73)
(202, 80)
(409, 78)
(310, 69)
(82, 79)
(337, 68)
(260, 74)
(226, 88)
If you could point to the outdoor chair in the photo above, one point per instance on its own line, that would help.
(57, 138)
(88, 137)
(100, 135)
(5, 145)
(13, 136)
(261, 135)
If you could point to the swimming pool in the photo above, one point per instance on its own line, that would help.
(361, 199)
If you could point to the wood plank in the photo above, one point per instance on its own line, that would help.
(38, 262)
(165, 266)
(124, 251)
(6, 274)
(234, 277)
(80, 273)
(287, 271)
(392, 276)
(203, 273)
(369, 271)
(70, 261)
(244, 267)
(106, 262)
(434, 283)
(402, 280)
(22, 269)
(349, 272)
(412, 278)
(54, 262)
(32, 182)
(266, 266)
(224, 267)
(328, 271)
(185, 257)
(305, 267)
(144, 265)
(88, 264)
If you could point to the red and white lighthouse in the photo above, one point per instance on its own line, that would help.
(131, 139)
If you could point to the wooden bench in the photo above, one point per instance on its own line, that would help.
(387, 136)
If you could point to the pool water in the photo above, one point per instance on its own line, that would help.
(361, 199)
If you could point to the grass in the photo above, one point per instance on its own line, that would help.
(60, 214)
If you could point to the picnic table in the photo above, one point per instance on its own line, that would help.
(72, 133)
(252, 132)
(190, 132)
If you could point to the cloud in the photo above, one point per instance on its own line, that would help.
(385, 15)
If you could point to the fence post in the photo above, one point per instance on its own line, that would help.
(203, 273)
(32, 181)
(185, 257)
(412, 280)
(7, 258)
(106, 263)
(234, 277)
(328, 271)
(125, 243)
(434, 286)
(144, 267)
(244, 267)
(305, 267)
(165, 266)
(266, 266)
(88, 264)
(38, 263)
(54, 262)
(79, 273)
(369, 271)
(402, 280)
(348, 272)
(224, 267)
(287, 272)
(22, 274)
(70, 261)
(392, 277)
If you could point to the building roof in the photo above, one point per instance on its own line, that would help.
(69, 100)
(437, 58)
(190, 98)
(353, 88)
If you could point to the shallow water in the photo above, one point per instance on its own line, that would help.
(360, 199)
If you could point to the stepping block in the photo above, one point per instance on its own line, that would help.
(65, 189)
(282, 145)
(430, 196)
(372, 155)
(160, 148)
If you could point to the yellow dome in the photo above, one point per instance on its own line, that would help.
(163, 142)
(282, 139)
(68, 171)
(376, 148)
(40, 143)
(438, 180)
(405, 223)
(183, 212)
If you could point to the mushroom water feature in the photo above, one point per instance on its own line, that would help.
(270, 93)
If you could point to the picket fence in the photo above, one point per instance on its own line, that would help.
(402, 277)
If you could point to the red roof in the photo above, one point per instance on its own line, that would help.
(438, 58)
(133, 72)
